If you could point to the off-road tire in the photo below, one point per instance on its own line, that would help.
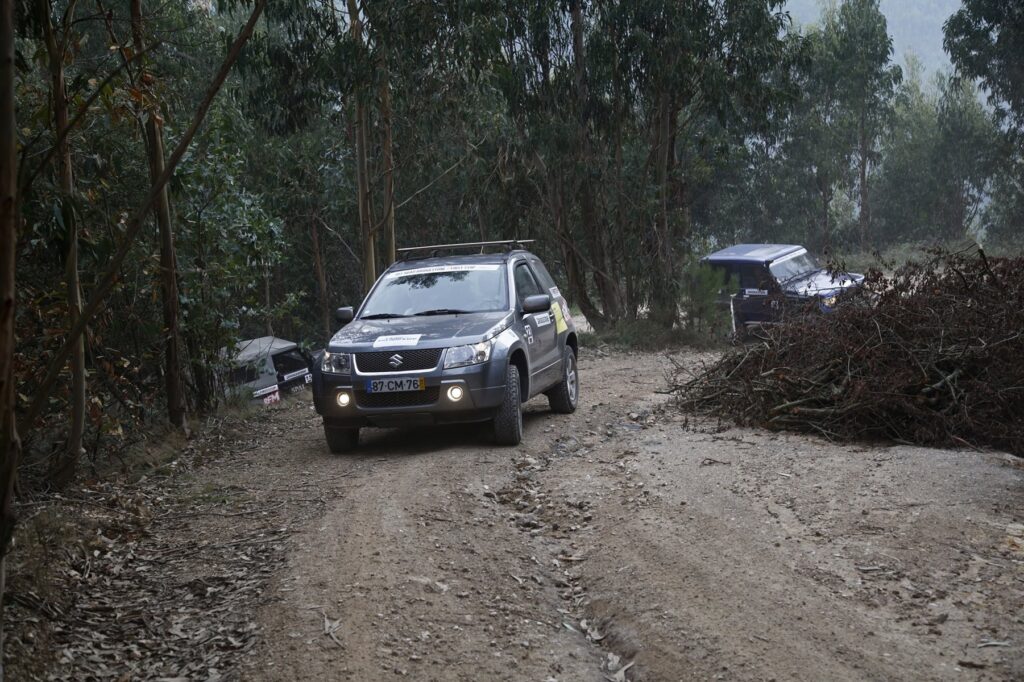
(565, 396)
(340, 441)
(508, 422)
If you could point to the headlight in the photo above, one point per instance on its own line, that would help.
(830, 301)
(463, 356)
(337, 363)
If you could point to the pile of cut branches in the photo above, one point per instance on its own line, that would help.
(933, 354)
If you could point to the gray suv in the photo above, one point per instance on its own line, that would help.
(449, 339)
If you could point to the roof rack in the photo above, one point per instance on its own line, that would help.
(508, 244)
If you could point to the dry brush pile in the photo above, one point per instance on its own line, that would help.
(933, 354)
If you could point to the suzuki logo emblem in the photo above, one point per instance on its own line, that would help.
(395, 360)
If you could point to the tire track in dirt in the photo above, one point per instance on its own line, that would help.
(416, 569)
(627, 534)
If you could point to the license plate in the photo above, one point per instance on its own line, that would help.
(396, 385)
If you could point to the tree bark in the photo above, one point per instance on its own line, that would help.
(168, 260)
(825, 192)
(389, 170)
(574, 272)
(10, 444)
(362, 170)
(865, 208)
(607, 289)
(134, 224)
(664, 300)
(321, 276)
(621, 271)
(62, 469)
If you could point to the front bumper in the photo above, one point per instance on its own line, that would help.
(483, 390)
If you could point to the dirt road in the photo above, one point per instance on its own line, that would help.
(625, 542)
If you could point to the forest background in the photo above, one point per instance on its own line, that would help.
(301, 142)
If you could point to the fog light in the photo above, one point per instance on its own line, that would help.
(455, 394)
(344, 399)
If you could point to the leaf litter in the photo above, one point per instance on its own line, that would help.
(167, 579)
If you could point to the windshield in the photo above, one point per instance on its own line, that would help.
(791, 268)
(474, 288)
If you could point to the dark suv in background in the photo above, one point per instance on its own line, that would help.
(762, 281)
(446, 338)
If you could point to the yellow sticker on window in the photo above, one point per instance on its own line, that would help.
(560, 325)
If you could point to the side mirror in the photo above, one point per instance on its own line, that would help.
(540, 303)
(344, 315)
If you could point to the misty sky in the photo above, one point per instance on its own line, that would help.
(915, 25)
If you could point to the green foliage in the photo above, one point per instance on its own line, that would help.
(985, 39)
(706, 310)
(940, 154)
(628, 138)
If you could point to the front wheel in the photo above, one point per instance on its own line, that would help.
(508, 422)
(340, 441)
(564, 397)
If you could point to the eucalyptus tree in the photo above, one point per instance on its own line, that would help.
(134, 223)
(379, 73)
(867, 78)
(10, 443)
(601, 87)
(57, 37)
(907, 180)
(817, 145)
(151, 121)
(966, 159)
(985, 41)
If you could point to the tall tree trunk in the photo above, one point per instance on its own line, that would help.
(664, 300)
(267, 299)
(825, 193)
(63, 468)
(106, 282)
(362, 169)
(173, 383)
(10, 444)
(621, 271)
(387, 152)
(321, 276)
(865, 206)
(573, 268)
(607, 289)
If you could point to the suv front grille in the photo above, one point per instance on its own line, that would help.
(401, 399)
(413, 359)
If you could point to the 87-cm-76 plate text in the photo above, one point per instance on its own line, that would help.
(395, 385)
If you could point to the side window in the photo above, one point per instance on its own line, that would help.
(546, 280)
(526, 283)
(243, 375)
(289, 361)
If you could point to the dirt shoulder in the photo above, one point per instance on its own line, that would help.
(623, 542)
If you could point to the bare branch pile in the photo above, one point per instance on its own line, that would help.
(933, 354)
